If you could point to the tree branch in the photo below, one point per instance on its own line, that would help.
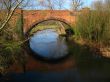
(10, 15)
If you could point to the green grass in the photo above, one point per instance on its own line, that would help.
(42, 27)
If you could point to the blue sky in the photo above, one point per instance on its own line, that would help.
(87, 3)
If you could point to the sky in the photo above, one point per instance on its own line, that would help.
(87, 3)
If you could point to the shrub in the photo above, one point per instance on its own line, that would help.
(94, 25)
(10, 49)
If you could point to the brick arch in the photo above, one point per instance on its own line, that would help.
(47, 19)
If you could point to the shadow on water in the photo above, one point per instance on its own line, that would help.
(93, 67)
(46, 60)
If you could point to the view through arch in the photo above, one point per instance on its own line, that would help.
(61, 22)
(47, 39)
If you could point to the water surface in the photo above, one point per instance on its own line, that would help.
(47, 43)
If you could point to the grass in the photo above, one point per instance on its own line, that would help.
(42, 27)
(49, 25)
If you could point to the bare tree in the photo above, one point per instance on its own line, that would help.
(51, 4)
(76, 4)
(101, 5)
(9, 6)
(59, 4)
(46, 4)
(98, 5)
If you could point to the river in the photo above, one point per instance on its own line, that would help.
(48, 44)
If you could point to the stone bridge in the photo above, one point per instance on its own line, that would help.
(34, 17)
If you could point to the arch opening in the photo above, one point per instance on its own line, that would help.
(55, 46)
(67, 26)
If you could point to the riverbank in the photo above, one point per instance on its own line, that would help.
(99, 48)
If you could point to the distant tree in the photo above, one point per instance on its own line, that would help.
(76, 4)
(46, 4)
(60, 4)
(51, 4)
(107, 4)
(98, 5)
